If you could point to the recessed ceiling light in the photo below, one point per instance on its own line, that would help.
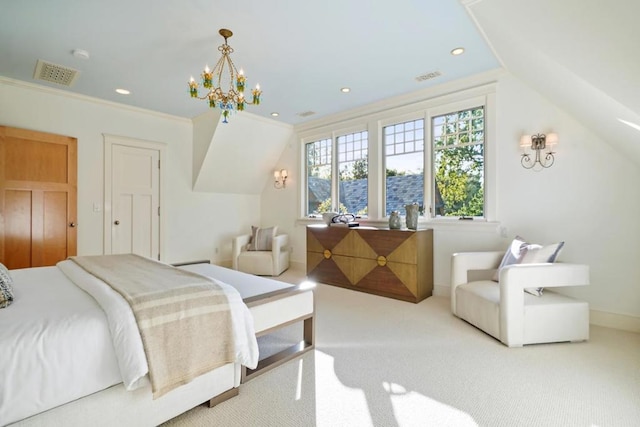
(274, 114)
(123, 91)
(345, 90)
(457, 51)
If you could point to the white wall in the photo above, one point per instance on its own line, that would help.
(195, 223)
(585, 199)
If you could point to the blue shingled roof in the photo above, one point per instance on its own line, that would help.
(401, 190)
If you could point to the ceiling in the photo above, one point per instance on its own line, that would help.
(301, 52)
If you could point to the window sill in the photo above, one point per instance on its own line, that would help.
(476, 225)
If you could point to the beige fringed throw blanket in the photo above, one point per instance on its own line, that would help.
(184, 318)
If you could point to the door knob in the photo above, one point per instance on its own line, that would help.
(72, 224)
(116, 222)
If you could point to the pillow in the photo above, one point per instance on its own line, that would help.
(261, 238)
(534, 254)
(513, 254)
(6, 291)
(521, 252)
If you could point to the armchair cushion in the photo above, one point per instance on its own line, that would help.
(261, 238)
(270, 262)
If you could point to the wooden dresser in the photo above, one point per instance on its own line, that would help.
(392, 263)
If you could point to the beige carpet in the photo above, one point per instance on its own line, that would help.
(382, 362)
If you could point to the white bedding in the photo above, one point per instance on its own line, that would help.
(42, 362)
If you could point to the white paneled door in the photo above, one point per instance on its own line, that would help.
(135, 201)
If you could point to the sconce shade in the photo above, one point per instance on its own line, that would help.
(552, 139)
(281, 178)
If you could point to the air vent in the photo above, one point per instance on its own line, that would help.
(307, 113)
(429, 76)
(58, 74)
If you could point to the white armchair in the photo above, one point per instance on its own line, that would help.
(503, 310)
(261, 263)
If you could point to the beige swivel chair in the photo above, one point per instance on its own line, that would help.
(261, 262)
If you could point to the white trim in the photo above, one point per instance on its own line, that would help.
(623, 322)
(65, 93)
(388, 113)
(161, 147)
(480, 84)
(253, 116)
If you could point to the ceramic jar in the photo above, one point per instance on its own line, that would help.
(394, 220)
(412, 216)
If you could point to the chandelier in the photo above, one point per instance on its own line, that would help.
(224, 73)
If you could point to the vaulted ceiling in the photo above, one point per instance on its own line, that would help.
(581, 54)
(300, 52)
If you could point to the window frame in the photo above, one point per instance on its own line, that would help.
(374, 119)
(332, 135)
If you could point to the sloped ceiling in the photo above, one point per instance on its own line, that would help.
(237, 157)
(580, 54)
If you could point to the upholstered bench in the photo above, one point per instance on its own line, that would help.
(503, 310)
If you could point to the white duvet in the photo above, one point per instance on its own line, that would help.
(58, 343)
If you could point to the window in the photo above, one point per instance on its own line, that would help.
(458, 165)
(404, 165)
(319, 160)
(352, 177)
(433, 152)
(353, 182)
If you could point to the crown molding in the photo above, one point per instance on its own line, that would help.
(85, 98)
(413, 98)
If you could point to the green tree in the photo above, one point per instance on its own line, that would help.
(360, 169)
(354, 170)
(325, 206)
(459, 177)
(395, 172)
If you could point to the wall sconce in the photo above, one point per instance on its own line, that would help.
(538, 143)
(281, 178)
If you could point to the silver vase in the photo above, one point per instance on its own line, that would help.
(412, 216)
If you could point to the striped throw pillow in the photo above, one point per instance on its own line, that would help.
(261, 238)
(6, 291)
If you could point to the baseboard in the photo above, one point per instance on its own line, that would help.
(624, 322)
(227, 263)
(441, 291)
(298, 266)
(613, 320)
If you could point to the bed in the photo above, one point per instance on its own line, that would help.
(65, 383)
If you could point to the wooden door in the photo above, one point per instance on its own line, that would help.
(135, 200)
(38, 185)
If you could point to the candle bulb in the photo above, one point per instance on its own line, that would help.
(256, 95)
(241, 102)
(207, 77)
(240, 81)
(193, 88)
